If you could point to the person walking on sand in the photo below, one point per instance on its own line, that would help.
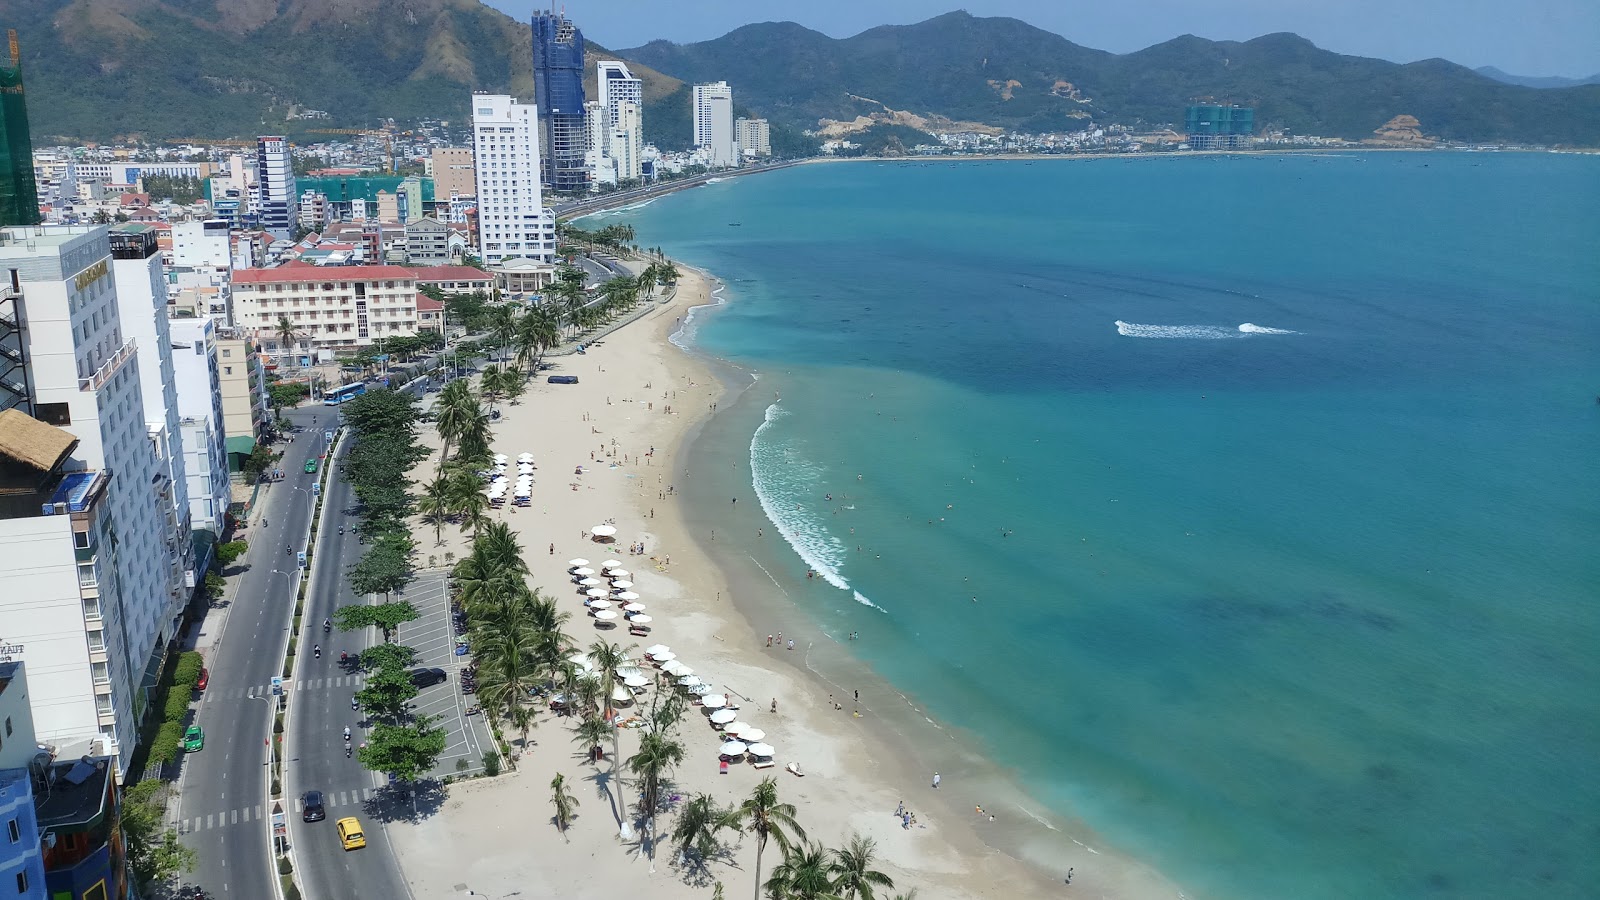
(769, 640)
(936, 780)
(774, 705)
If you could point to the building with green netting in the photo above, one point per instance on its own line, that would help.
(1218, 126)
(19, 194)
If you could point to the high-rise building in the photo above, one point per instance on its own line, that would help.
(83, 378)
(558, 96)
(617, 86)
(19, 193)
(512, 220)
(1212, 126)
(452, 173)
(278, 200)
(713, 123)
(754, 136)
(200, 421)
(627, 141)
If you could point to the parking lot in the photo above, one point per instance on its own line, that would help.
(466, 737)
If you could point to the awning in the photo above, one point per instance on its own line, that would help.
(243, 444)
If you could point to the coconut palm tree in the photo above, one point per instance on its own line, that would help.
(502, 327)
(657, 756)
(537, 331)
(591, 733)
(469, 503)
(803, 874)
(455, 407)
(765, 817)
(434, 505)
(606, 658)
(508, 670)
(851, 867)
(696, 830)
(498, 544)
(563, 801)
(288, 335)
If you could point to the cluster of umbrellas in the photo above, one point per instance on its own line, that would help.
(522, 490)
(739, 738)
(600, 599)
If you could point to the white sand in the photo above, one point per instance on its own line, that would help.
(496, 836)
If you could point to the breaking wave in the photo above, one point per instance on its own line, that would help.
(1195, 332)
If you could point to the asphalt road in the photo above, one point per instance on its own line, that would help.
(223, 806)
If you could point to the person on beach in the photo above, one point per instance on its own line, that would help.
(769, 640)
(901, 809)
(552, 549)
(791, 643)
(936, 780)
(774, 705)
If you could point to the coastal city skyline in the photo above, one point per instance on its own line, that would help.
(457, 458)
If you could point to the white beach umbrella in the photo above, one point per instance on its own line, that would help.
(603, 530)
(734, 727)
(653, 649)
(580, 659)
(759, 749)
(499, 458)
(598, 592)
(699, 690)
(583, 571)
(633, 607)
(621, 694)
(715, 701)
(599, 604)
(628, 596)
(630, 670)
(605, 615)
(676, 669)
(611, 564)
(731, 748)
(636, 681)
(723, 716)
(640, 619)
(524, 457)
(617, 573)
(747, 732)
(576, 563)
(667, 657)
(589, 582)
(688, 680)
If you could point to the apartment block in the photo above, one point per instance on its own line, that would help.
(333, 312)
(200, 421)
(512, 220)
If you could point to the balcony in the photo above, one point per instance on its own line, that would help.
(108, 368)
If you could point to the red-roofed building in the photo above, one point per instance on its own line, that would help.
(130, 199)
(430, 314)
(336, 310)
(454, 279)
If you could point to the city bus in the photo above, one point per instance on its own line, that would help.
(338, 395)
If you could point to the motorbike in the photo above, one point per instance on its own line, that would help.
(341, 529)
(346, 749)
(327, 625)
(316, 650)
(354, 704)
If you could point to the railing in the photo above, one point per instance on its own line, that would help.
(108, 368)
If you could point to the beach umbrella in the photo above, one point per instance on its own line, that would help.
(633, 607)
(621, 694)
(653, 649)
(734, 728)
(524, 457)
(499, 458)
(762, 750)
(747, 733)
(699, 690)
(597, 592)
(583, 571)
(589, 582)
(667, 657)
(723, 716)
(611, 564)
(603, 530)
(731, 748)
(580, 659)
(688, 680)
(629, 671)
(636, 681)
(605, 615)
(617, 573)
(715, 701)
(640, 619)
(599, 604)
(676, 669)
(628, 596)
(575, 563)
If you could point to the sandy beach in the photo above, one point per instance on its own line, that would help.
(628, 424)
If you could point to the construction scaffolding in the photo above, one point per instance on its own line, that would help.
(19, 193)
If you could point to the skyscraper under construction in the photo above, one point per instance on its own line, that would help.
(558, 93)
(19, 195)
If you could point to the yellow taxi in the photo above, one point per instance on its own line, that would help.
(350, 836)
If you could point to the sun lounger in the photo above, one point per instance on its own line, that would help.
(792, 768)
(763, 764)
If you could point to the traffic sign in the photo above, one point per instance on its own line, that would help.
(277, 685)
(302, 557)
(327, 437)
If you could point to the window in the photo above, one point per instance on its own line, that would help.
(226, 352)
(58, 414)
(91, 607)
(15, 831)
(22, 877)
(227, 370)
(101, 672)
(97, 642)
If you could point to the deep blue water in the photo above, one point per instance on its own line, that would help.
(1302, 609)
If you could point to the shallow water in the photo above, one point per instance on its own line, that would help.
(1244, 507)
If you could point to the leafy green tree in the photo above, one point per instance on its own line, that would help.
(386, 693)
(405, 751)
(563, 801)
(229, 553)
(591, 732)
(182, 189)
(851, 868)
(384, 569)
(385, 616)
(287, 393)
(153, 849)
(764, 816)
(387, 656)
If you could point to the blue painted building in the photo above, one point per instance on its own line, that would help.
(558, 94)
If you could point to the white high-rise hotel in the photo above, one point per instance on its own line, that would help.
(512, 220)
(713, 123)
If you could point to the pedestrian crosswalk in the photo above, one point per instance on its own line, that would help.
(248, 814)
(304, 684)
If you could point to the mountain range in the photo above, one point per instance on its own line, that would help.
(1535, 81)
(163, 69)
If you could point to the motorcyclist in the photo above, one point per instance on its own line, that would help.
(346, 749)
(347, 732)
(316, 650)
(327, 625)
(341, 529)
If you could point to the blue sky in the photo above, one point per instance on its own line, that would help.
(1524, 37)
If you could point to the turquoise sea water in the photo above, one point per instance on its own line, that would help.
(1247, 508)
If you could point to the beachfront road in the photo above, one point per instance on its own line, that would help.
(315, 731)
(223, 808)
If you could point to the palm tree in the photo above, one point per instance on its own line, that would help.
(697, 827)
(853, 875)
(508, 670)
(563, 801)
(287, 334)
(657, 755)
(537, 331)
(498, 544)
(472, 443)
(606, 658)
(434, 505)
(803, 874)
(765, 817)
(591, 733)
(502, 327)
(467, 500)
(455, 407)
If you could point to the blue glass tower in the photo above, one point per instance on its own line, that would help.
(558, 92)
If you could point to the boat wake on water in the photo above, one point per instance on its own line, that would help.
(781, 477)
(1195, 332)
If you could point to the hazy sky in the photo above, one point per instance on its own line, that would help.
(1524, 37)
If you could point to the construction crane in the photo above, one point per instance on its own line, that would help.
(386, 133)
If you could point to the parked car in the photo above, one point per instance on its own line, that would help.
(311, 465)
(205, 679)
(562, 379)
(350, 836)
(194, 739)
(428, 677)
(311, 808)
